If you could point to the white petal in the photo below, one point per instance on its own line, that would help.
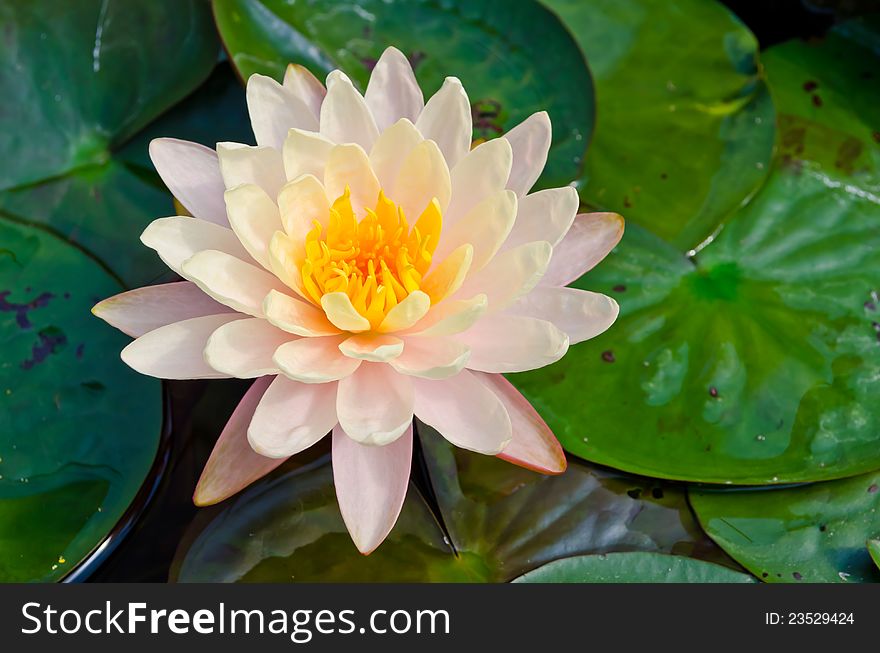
(530, 141)
(371, 347)
(451, 316)
(139, 311)
(305, 153)
(393, 92)
(296, 316)
(178, 238)
(345, 117)
(371, 484)
(244, 348)
(591, 237)
(292, 417)
(510, 343)
(447, 121)
(579, 313)
(315, 360)
(510, 275)
(391, 149)
(486, 227)
(244, 164)
(231, 281)
(301, 202)
(464, 411)
(304, 85)
(431, 358)
(192, 174)
(342, 313)
(175, 351)
(409, 311)
(349, 167)
(274, 110)
(374, 405)
(483, 172)
(254, 218)
(423, 177)
(545, 215)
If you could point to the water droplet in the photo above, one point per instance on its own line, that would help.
(759, 165)
(586, 439)
(844, 576)
(760, 437)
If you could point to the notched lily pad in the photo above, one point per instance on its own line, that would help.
(758, 360)
(810, 534)
(78, 429)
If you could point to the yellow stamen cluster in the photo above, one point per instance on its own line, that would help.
(377, 260)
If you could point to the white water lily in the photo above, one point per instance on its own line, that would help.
(367, 265)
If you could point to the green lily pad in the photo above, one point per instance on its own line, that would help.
(80, 78)
(810, 534)
(513, 58)
(757, 361)
(78, 429)
(632, 568)
(498, 521)
(874, 550)
(684, 131)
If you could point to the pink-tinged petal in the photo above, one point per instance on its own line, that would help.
(375, 404)
(345, 117)
(192, 174)
(510, 343)
(275, 110)
(371, 484)
(291, 417)
(579, 313)
(175, 351)
(391, 149)
(244, 348)
(481, 173)
(533, 445)
(231, 281)
(509, 275)
(349, 167)
(465, 412)
(372, 347)
(431, 358)
(304, 85)
(254, 218)
(447, 121)
(234, 464)
(451, 316)
(296, 316)
(591, 237)
(545, 215)
(393, 92)
(139, 311)
(305, 153)
(178, 238)
(315, 360)
(530, 141)
(245, 164)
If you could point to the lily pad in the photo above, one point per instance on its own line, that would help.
(806, 534)
(78, 429)
(684, 132)
(632, 568)
(80, 78)
(757, 361)
(874, 550)
(513, 58)
(495, 522)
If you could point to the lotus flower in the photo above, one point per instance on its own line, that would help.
(366, 265)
